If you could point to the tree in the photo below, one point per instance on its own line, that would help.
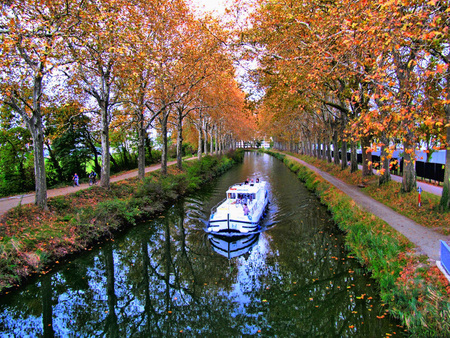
(96, 47)
(32, 36)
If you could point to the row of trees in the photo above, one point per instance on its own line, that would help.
(125, 66)
(363, 73)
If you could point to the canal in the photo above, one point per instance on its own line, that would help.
(168, 277)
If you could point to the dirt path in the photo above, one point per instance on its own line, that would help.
(13, 201)
(426, 240)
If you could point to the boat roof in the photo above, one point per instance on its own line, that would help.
(246, 188)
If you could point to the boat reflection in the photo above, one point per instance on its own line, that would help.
(233, 246)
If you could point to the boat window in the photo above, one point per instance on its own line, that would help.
(231, 195)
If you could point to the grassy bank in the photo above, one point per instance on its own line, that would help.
(416, 292)
(31, 240)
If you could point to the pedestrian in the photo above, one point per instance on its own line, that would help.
(92, 177)
(75, 180)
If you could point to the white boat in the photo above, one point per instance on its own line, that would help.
(242, 210)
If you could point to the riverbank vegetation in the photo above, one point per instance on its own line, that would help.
(415, 291)
(32, 239)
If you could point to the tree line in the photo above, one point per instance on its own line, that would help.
(79, 77)
(355, 74)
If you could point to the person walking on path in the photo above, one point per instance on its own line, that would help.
(92, 178)
(75, 180)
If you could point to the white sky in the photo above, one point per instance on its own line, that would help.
(217, 6)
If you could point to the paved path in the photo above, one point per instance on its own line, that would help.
(13, 201)
(426, 240)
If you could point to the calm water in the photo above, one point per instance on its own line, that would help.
(168, 277)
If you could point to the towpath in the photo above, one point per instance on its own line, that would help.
(13, 201)
(426, 240)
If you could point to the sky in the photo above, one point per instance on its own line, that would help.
(217, 6)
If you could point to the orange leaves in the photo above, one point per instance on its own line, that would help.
(441, 68)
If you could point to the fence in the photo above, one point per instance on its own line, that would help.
(426, 170)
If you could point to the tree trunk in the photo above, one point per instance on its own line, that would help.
(211, 145)
(353, 157)
(409, 171)
(335, 148)
(39, 170)
(366, 157)
(141, 147)
(163, 121)
(199, 148)
(385, 175)
(216, 150)
(328, 151)
(205, 138)
(36, 128)
(180, 140)
(106, 164)
(344, 163)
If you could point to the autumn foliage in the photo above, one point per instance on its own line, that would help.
(355, 74)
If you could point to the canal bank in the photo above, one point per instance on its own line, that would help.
(410, 283)
(33, 240)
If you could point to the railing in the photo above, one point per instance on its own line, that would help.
(214, 208)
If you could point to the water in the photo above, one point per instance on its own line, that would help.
(168, 277)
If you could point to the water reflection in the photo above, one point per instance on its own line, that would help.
(167, 277)
(233, 246)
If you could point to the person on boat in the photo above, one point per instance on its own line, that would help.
(246, 211)
(257, 180)
(246, 181)
(244, 199)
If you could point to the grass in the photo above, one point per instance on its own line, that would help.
(416, 292)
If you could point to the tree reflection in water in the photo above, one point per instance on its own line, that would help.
(168, 277)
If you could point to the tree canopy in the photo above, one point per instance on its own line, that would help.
(82, 74)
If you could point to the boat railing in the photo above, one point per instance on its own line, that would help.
(214, 208)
